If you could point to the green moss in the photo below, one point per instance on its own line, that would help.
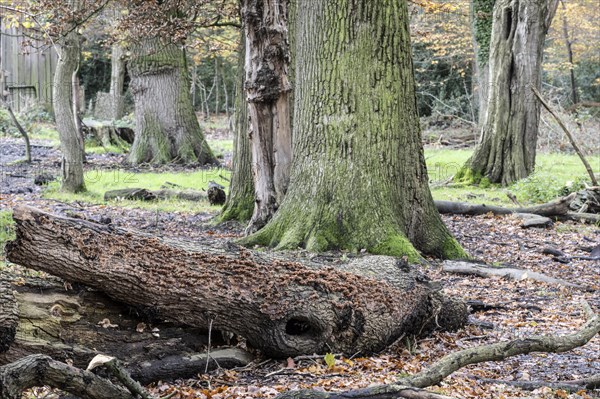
(485, 183)
(453, 250)
(468, 176)
(397, 245)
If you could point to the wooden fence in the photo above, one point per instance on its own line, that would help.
(29, 68)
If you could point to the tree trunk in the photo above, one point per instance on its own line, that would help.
(267, 87)
(240, 202)
(481, 16)
(70, 143)
(167, 129)
(506, 152)
(117, 82)
(569, 46)
(358, 178)
(41, 316)
(283, 308)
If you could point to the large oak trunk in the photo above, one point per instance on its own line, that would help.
(166, 126)
(283, 308)
(117, 82)
(358, 178)
(506, 152)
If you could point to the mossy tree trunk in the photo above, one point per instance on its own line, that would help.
(481, 20)
(240, 202)
(70, 138)
(267, 89)
(506, 152)
(358, 178)
(166, 126)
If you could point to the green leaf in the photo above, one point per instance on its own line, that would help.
(330, 360)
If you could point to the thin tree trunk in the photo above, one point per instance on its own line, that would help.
(481, 25)
(76, 103)
(267, 88)
(217, 99)
(358, 178)
(569, 46)
(507, 148)
(117, 82)
(240, 202)
(70, 140)
(167, 129)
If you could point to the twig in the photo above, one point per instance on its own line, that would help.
(208, 346)
(571, 139)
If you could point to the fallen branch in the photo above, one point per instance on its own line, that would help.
(569, 135)
(455, 361)
(40, 370)
(592, 382)
(557, 207)
(475, 269)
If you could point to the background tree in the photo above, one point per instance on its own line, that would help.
(507, 148)
(481, 17)
(358, 178)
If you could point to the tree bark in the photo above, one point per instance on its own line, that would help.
(240, 202)
(282, 308)
(358, 177)
(507, 148)
(167, 129)
(267, 89)
(70, 140)
(481, 25)
(117, 82)
(41, 317)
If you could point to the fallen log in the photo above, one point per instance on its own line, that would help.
(74, 326)
(215, 195)
(476, 269)
(107, 134)
(283, 308)
(557, 207)
(457, 360)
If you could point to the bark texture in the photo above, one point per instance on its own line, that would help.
(167, 129)
(267, 90)
(70, 139)
(281, 307)
(358, 179)
(240, 202)
(506, 152)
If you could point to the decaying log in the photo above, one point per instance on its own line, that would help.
(108, 135)
(283, 308)
(557, 207)
(592, 382)
(476, 269)
(76, 325)
(457, 360)
(41, 370)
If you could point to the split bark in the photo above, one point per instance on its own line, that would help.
(283, 308)
(267, 89)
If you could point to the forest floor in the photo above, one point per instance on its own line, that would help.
(525, 307)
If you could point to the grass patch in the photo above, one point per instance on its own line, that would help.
(221, 147)
(555, 175)
(100, 181)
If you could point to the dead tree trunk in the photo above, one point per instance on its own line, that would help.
(267, 88)
(283, 308)
(41, 317)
